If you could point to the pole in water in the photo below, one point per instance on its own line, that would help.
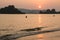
(53, 15)
(25, 16)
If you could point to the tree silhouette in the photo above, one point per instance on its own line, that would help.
(48, 11)
(53, 11)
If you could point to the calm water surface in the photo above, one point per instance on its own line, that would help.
(16, 22)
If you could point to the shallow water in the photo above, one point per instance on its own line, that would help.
(11, 23)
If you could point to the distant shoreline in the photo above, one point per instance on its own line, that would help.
(30, 13)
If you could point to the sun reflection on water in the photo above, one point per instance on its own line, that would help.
(40, 37)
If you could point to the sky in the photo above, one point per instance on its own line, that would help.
(32, 4)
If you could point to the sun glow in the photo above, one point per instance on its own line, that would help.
(39, 6)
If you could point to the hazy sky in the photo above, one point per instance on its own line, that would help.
(32, 4)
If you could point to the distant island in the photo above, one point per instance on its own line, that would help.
(48, 11)
(10, 9)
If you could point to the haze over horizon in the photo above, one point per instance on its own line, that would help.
(32, 4)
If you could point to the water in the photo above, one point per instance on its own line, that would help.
(12, 23)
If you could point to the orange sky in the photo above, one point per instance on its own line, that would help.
(32, 4)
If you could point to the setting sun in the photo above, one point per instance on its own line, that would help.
(39, 6)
